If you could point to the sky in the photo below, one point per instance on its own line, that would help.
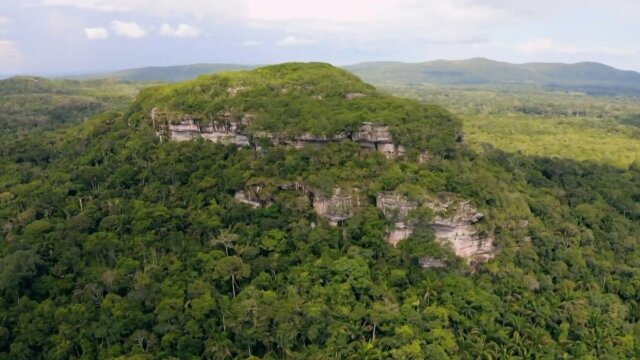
(56, 37)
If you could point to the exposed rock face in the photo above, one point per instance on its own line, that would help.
(242, 197)
(378, 138)
(430, 263)
(225, 129)
(396, 207)
(338, 207)
(454, 224)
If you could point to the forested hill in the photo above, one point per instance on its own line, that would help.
(117, 242)
(297, 98)
(587, 76)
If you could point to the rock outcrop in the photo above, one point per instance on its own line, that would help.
(337, 207)
(227, 129)
(396, 207)
(454, 224)
(221, 129)
(378, 138)
(432, 263)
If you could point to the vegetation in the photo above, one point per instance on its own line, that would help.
(537, 122)
(606, 142)
(114, 245)
(592, 78)
(29, 103)
(305, 98)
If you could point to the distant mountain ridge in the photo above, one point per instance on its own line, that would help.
(175, 73)
(589, 77)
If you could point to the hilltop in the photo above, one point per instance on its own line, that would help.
(258, 215)
(588, 77)
(296, 98)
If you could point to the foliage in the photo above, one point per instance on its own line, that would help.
(299, 98)
(113, 245)
(29, 103)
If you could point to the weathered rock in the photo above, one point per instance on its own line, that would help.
(372, 134)
(338, 207)
(378, 138)
(453, 224)
(241, 197)
(430, 263)
(396, 207)
(184, 127)
(222, 128)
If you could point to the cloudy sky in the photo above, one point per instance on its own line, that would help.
(80, 36)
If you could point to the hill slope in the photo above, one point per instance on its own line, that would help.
(115, 243)
(587, 76)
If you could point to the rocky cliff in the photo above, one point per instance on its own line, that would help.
(396, 208)
(453, 223)
(222, 128)
(228, 129)
(338, 207)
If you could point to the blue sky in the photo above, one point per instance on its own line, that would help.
(81, 36)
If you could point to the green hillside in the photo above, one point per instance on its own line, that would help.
(116, 244)
(301, 98)
(587, 77)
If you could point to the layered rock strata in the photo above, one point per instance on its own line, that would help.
(224, 128)
(453, 224)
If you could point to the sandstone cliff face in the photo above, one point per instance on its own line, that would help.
(397, 208)
(454, 223)
(378, 138)
(337, 207)
(225, 129)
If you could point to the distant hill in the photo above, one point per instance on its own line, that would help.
(28, 103)
(167, 73)
(588, 77)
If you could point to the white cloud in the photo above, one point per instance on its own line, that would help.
(293, 41)
(128, 29)
(545, 45)
(96, 33)
(182, 31)
(5, 20)
(250, 43)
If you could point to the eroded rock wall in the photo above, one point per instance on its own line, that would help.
(223, 128)
(453, 223)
